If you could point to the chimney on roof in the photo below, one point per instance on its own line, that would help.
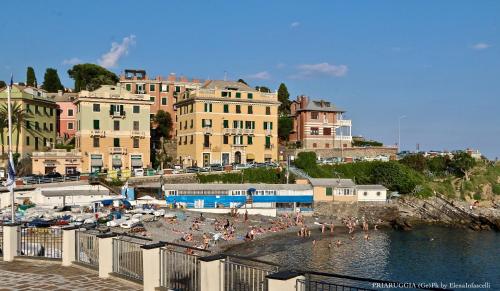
(303, 100)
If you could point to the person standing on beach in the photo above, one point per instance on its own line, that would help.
(322, 228)
(246, 215)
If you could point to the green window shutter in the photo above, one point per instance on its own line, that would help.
(226, 123)
(329, 191)
(250, 140)
(238, 95)
(151, 87)
(265, 125)
(250, 95)
(203, 123)
(268, 140)
(270, 125)
(226, 108)
(96, 124)
(234, 139)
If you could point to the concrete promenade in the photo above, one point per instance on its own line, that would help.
(44, 275)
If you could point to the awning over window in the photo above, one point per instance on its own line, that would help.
(250, 157)
(96, 163)
(267, 156)
(136, 163)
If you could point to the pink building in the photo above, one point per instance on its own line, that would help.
(66, 114)
(318, 124)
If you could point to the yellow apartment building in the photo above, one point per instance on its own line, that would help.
(38, 130)
(226, 122)
(113, 129)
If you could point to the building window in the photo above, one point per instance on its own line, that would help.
(136, 109)
(327, 131)
(116, 142)
(27, 140)
(36, 143)
(128, 87)
(250, 96)
(365, 193)
(51, 127)
(96, 142)
(152, 87)
(191, 140)
(28, 124)
(250, 139)
(136, 142)
(164, 88)
(268, 142)
(70, 112)
(327, 145)
(206, 122)
(268, 125)
(378, 193)
(51, 111)
(314, 145)
(208, 107)
(177, 89)
(206, 141)
(164, 101)
(225, 123)
(152, 98)
(268, 110)
(238, 139)
(314, 115)
(136, 125)
(250, 109)
(314, 131)
(96, 124)
(95, 107)
(226, 139)
(225, 94)
(329, 191)
(238, 94)
(116, 124)
(238, 108)
(226, 108)
(192, 124)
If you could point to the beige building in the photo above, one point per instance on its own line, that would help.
(333, 190)
(113, 129)
(60, 161)
(38, 131)
(226, 122)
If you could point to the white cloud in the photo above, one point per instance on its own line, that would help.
(264, 75)
(309, 70)
(72, 61)
(294, 24)
(481, 46)
(117, 51)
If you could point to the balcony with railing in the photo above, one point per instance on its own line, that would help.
(97, 132)
(248, 131)
(137, 133)
(269, 132)
(343, 122)
(207, 130)
(268, 146)
(117, 114)
(118, 150)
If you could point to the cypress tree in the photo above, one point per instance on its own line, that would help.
(30, 77)
(51, 81)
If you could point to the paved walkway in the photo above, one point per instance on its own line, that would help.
(35, 275)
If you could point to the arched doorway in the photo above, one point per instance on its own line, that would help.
(237, 157)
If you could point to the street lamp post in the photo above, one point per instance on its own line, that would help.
(399, 131)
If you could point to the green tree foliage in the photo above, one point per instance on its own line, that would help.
(283, 97)
(438, 165)
(91, 77)
(496, 189)
(51, 81)
(263, 89)
(285, 125)
(164, 123)
(30, 77)
(242, 81)
(415, 161)
(254, 175)
(2, 84)
(366, 143)
(462, 163)
(395, 176)
(306, 161)
(20, 117)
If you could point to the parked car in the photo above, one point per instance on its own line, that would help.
(73, 174)
(216, 167)
(240, 166)
(53, 175)
(193, 169)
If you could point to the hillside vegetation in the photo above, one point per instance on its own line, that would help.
(460, 177)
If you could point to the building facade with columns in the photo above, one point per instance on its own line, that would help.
(318, 124)
(113, 129)
(226, 122)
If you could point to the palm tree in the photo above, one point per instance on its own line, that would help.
(19, 118)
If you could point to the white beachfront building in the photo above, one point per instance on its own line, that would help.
(371, 193)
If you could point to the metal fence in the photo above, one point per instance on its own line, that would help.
(40, 242)
(87, 248)
(179, 270)
(44, 180)
(127, 257)
(246, 275)
(311, 285)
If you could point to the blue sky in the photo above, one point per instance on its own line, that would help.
(436, 62)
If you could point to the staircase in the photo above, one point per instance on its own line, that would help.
(298, 172)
